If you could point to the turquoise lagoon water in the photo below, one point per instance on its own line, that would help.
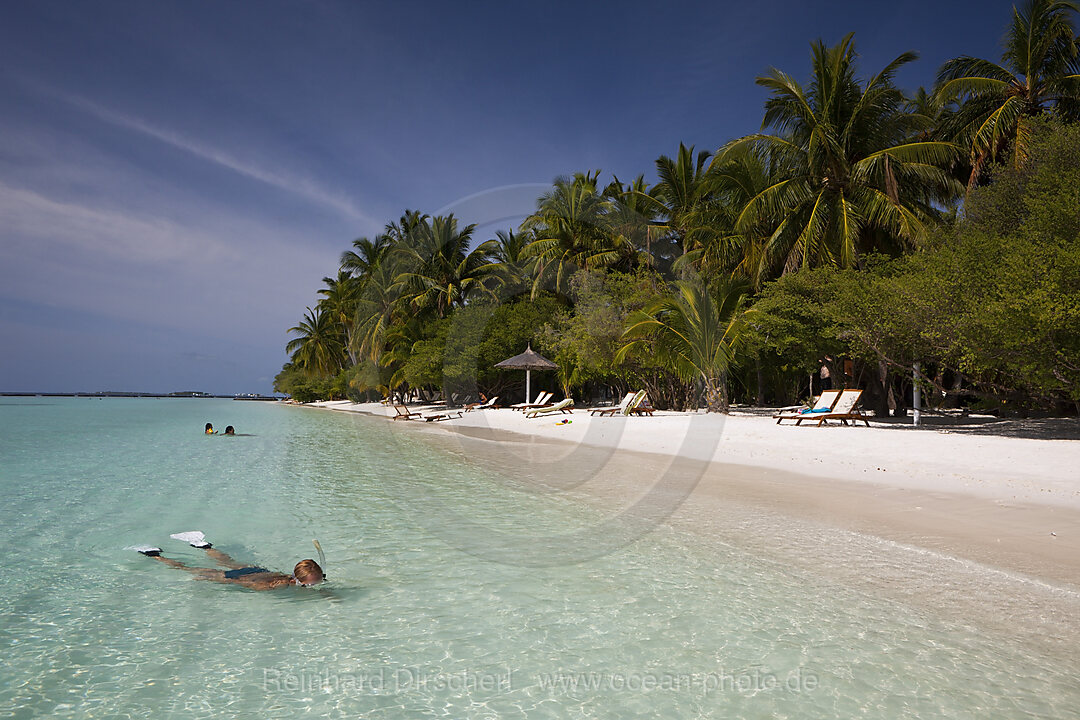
(455, 590)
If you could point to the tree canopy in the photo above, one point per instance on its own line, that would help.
(862, 227)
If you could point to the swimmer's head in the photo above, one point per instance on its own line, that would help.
(308, 572)
(230, 431)
(209, 427)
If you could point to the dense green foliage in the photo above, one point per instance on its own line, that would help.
(585, 339)
(841, 234)
(994, 300)
(459, 353)
(304, 387)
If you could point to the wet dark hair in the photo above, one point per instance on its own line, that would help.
(308, 572)
(209, 426)
(230, 431)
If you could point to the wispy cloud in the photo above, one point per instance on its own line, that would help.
(292, 183)
(100, 231)
(208, 272)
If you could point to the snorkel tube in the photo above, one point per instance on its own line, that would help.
(322, 558)
(305, 568)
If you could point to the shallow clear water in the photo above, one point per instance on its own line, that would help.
(427, 613)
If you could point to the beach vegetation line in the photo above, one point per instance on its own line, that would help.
(862, 233)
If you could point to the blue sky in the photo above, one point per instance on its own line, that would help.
(177, 177)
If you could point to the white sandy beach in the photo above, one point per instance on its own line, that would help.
(1009, 501)
(1005, 469)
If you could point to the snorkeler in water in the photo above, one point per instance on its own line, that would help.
(306, 573)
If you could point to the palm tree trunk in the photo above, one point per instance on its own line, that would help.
(712, 397)
(716, 397)
(349, 345)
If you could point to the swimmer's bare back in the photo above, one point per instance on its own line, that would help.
(258, 580)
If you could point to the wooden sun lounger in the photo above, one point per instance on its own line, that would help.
(490, 404)
(641, 406)
(439, 417)
(825, 403)
(403, 413)
(619, 409)
(541, 401)
(843, 411)
(565, 406)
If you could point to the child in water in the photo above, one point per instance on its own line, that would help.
(209, 429)
(306, 573)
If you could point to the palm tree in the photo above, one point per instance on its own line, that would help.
(721, 246)
(377, 307)
(441, 270)
(397, 233)
(697, 331)
(509, 264)
(570, 231)
(684, 188)
(361, 261)
(853, 177)
(633, 219)
(319, 349)
(1038, 75)
(938, 113)
(400, 339)
(339, 302)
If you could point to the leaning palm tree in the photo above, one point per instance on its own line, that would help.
(1038, 75)
(855, 177)
(318, 349)
(697, 331)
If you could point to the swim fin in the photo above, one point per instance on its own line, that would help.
(194, 538)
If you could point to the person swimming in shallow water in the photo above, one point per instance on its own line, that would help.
(209, 429)
(230, 430)
(306, 573)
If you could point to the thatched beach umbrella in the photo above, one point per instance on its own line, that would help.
(527, 361)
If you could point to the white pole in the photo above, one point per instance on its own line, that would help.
(916, 394)
(528, 383)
